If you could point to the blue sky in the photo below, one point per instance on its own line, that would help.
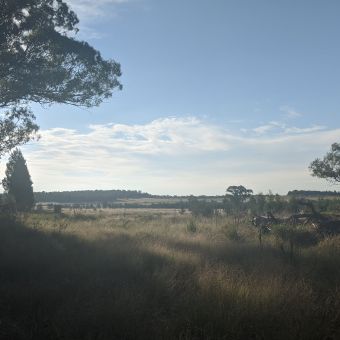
(216, 93)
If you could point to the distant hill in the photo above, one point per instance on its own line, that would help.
(313, 193)
(88, 196)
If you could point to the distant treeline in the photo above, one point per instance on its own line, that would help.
(88, 196)
(312, 193)
(104, 197)
(326, 202)
(105, 205)
(255, 205)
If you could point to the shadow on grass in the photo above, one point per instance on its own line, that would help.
(318, 264)
(57, 286)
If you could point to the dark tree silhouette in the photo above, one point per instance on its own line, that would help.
(16, 127)
(42, 62)
(18, 183)
(329, 166)
(236, 197)
(239, 193)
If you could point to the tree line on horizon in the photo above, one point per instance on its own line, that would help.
(88, 196)
(19, 195)
(306, 193)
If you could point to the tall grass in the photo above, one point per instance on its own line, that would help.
(144, 275)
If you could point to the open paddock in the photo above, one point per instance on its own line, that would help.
(160, 274)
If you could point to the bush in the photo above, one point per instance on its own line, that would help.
(191, 227)
(298, 236)
(201, 207)
(57, 209)
(295, 237)
(233, 233)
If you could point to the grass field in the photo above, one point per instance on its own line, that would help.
(159, 274)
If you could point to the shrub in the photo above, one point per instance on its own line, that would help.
(57, 209)
(233, 233)
(201, 207)
(191, 227)
(294, 237)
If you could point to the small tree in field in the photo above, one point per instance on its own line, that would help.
(329, 166)
(237, 196)
(18, 183)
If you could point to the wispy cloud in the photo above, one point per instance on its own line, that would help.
(280, 128)
(290, 112)
(313, 128)
(90, 9)
(88, 12)
(176, 155)
(263, 129)
(167, 136)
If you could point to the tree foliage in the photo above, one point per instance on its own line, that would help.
(89, 196)
(239, 193)
(201, 207)
(236, 197)
(329, 166)
(18, 183)
(42, 62)
(16, 128)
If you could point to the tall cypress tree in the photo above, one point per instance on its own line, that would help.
(18, 183)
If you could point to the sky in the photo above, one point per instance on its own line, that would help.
(215, 93)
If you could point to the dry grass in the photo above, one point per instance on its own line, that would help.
(135, 274)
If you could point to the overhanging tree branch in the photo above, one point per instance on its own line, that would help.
(41, 62)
